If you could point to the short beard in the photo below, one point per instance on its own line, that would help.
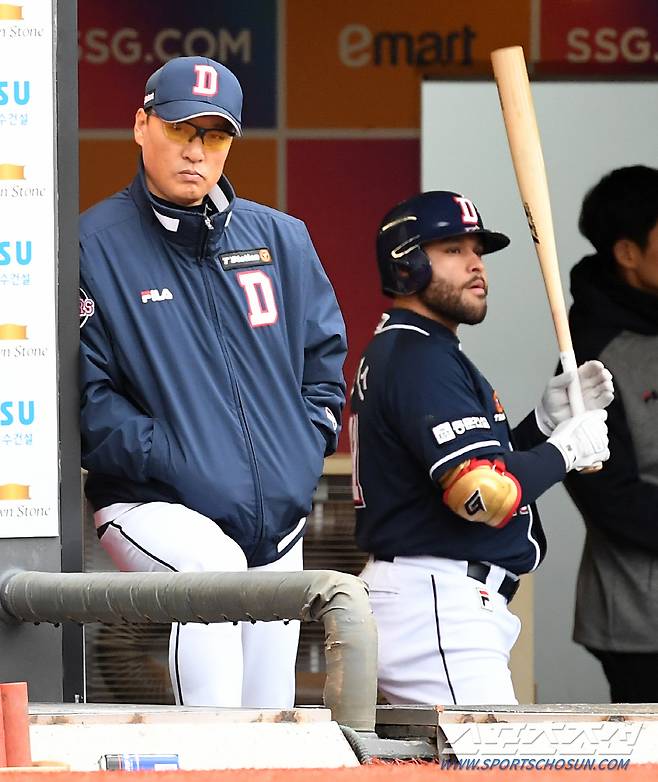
(445, 300)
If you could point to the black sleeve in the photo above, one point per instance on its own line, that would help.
(527, 434)
(616, 499)
(536, 470)
(536, 464)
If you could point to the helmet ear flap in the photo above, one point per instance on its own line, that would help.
(410, 274)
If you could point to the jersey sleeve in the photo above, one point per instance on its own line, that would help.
(443, 419)
(438, 412)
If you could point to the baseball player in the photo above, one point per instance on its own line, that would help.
(444, 489)
(211, 378)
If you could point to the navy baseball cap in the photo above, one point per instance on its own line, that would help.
(404, 266)
(434, 215)
(188, 87)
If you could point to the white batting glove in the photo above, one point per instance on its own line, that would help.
(595, 383)
(582, 440)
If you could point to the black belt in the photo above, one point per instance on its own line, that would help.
(508, 586)
(479, 571)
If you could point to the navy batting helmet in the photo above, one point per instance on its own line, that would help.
(439, 214)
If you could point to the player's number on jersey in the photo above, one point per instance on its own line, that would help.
(260, 298)
(357, 490)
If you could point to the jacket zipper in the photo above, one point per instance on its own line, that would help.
(234, 383)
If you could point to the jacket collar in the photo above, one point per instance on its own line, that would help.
(181, 226)
(601, 296)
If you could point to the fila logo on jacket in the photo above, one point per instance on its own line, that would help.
(155, 295)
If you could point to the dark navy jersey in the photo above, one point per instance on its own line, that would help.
(419, 408)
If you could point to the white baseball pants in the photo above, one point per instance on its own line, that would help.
(444, 638)
(210, 665)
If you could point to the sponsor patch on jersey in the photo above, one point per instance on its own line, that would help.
(87, 307)
(484, 598)
(499, 410)
(449, 430)
(245, 259)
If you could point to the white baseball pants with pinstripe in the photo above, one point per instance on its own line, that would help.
(210, 665)
(444, 638)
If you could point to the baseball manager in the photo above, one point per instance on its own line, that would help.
(211, 378)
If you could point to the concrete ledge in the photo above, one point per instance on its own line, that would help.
(203, 738)
(121, 713)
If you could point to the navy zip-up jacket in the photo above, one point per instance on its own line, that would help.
(211, 363)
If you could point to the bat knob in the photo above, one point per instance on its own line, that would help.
(592, 468)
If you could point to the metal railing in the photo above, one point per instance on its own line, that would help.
(338, 600)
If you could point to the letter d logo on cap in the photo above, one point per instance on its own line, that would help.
(206, 81)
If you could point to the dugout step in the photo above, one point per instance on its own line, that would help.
(404, 718)
(605, 730)
(417, 720)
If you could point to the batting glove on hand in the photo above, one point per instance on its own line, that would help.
(595, 383)
(582, 440)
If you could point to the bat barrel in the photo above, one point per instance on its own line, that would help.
(518, 110)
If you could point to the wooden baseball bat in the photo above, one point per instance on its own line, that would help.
(525, 146)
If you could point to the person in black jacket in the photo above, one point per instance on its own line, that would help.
(614, 318)
(211, 361)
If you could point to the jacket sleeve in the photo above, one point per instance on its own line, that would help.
(117, 437)
(325, 347)
(616, 499)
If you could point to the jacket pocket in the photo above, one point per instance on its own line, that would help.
(162, 460)
(319, 439)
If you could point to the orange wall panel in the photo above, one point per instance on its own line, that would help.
(108, 165)
(359, 65)
(252, 169)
